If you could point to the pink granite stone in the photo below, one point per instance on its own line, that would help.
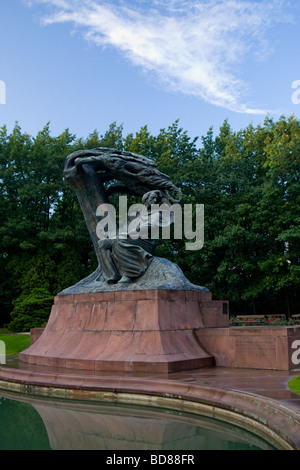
(151, 330)
(260, 347)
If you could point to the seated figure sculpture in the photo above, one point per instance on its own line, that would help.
(97, 174)
(126, 257)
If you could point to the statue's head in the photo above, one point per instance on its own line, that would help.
(152, 197)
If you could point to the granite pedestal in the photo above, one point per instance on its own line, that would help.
(136, 331)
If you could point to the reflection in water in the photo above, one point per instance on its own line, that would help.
(63, 425)
(21, 427)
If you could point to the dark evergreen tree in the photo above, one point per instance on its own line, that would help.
(248, 181)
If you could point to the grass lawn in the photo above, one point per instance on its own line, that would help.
(294, 385)
(15, 343)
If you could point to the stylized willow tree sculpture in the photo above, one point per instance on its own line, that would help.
(98, 173)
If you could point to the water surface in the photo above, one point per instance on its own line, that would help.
(29, 423)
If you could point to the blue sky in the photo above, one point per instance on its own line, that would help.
(85, 64)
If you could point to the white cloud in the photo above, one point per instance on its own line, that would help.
(193, 47)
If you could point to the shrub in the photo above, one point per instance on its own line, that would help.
(31, 310)
(267, 321)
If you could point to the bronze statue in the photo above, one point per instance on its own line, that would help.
(123, 260)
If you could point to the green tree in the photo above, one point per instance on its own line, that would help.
(42, 230)
(31, 310)
(279, 207)
(248, 181)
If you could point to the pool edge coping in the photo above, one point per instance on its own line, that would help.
(271, 419)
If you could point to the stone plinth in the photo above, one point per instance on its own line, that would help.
(35, 333)
(140, 331)
(260, 347)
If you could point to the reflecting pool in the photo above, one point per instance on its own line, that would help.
(40, 424)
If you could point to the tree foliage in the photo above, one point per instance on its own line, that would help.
(248, 181)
